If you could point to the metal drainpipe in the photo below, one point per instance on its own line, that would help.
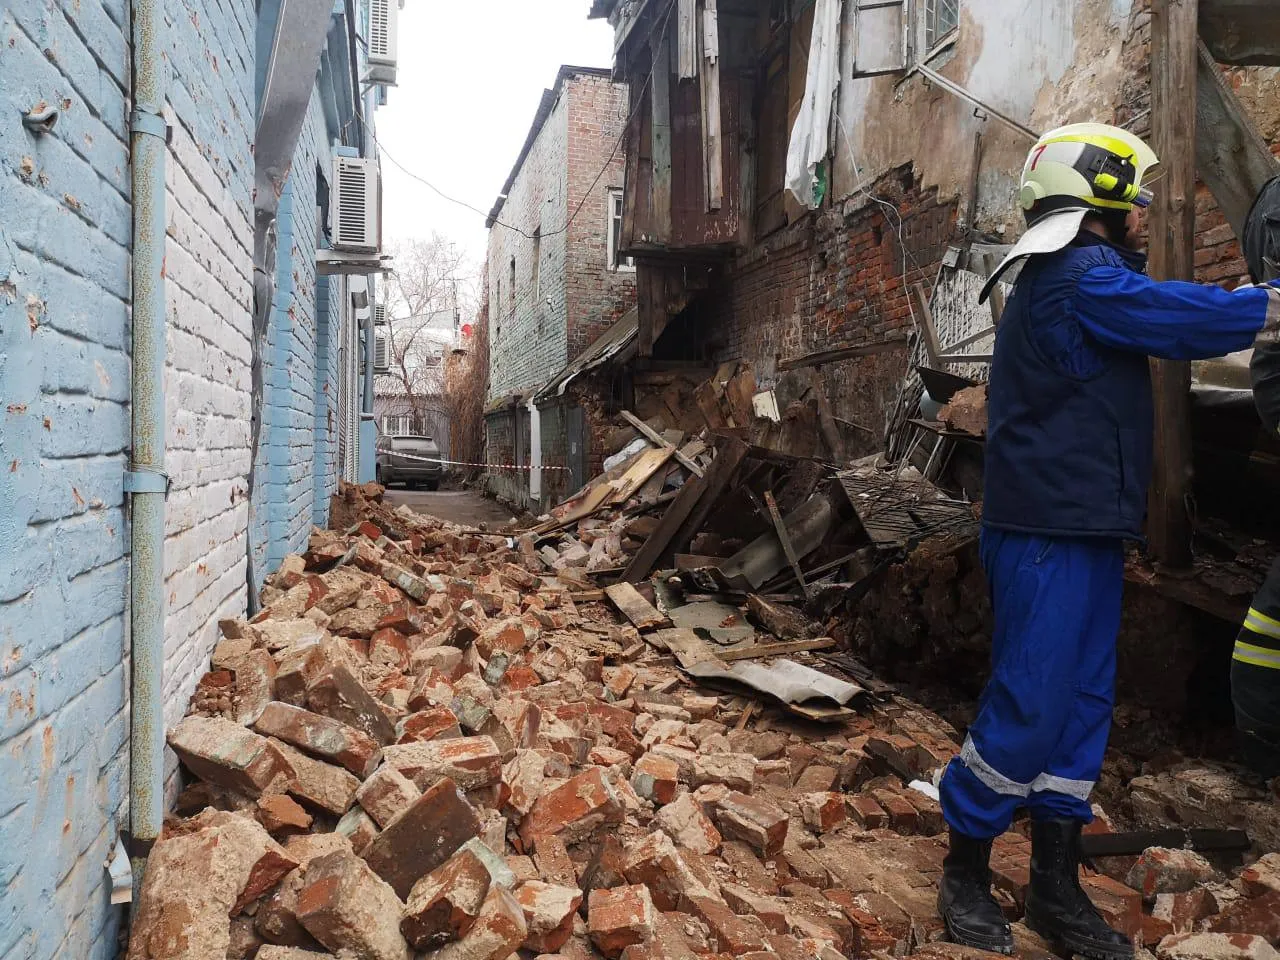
(146, 480)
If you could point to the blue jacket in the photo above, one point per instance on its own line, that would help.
(1069, 434)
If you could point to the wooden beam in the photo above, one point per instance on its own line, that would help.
(1172, 257)
(730, 452)
(932, 349)
(687, 39)
(661, 137)
(642, 614)
(760, 650)
(826, 420)
(1241, 32)
(841, 353)
(785, 539)
(1232, 157)
(648, 304)
(654, 437)
(652, 550)
(712, 140)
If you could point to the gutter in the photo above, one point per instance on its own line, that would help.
(146, 482)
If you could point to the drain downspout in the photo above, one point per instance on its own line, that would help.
(146, 481)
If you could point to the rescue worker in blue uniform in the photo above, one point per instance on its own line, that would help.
(1068, 463)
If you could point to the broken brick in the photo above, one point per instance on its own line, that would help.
(320, 736)
(549, 912)
(655, 778)
(655, 863)
(573, 810)
(444, 903)
(496, 934)
(1215, 946)
(619, 918)
(225, 753)
(337, 694)
(1161, 870)
(822, 812)
(422, 837)
(321, 784)
(387, 794)
(685, 822)
(753, 820)
(471, 762)
(346, 907)
(737, 771)
(278, 813)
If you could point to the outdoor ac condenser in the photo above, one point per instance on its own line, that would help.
(356, 216)
(381, 350)
(383, 29)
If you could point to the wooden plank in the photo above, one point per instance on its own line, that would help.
(687, 647)
(730, 452)
(841, 353)
(656, 545)
(687, 39)
(652, 436)
(1172, 230)
(596, 498)
(932, 349)
(712, 136)
(826, 420)
(648, 304)
(661, 138)
(1135, 842)
(649, 463)
(785, 539)
(759, 651)
(642, 614)
(1231, 155)
(586, 596)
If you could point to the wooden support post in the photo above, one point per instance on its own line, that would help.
(785, 539)
(1172, 240)
(712, 141)
(648, 302)
(660, 47)
(687, 39)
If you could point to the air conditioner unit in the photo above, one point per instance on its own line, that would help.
(381, 351)
(383, 30)
(356, 198)
(379, 314)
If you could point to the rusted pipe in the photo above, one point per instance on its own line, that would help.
(146, 481)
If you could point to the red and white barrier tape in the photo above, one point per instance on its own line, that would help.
(463, 463)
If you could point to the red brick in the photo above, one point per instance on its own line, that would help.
(1260, 915)
(225, 753)
(822, 812)
(280, 814)
(345, 906)
(684, 821)
(549, 912)
(903, 817)
(1215, 946)
(753, 820)
(387, 794)
(1161, 870)
(423, 837)
(444, 904)
(553, 863)
(656, 778)
(320, 784)
(1119, 905)
(321, 736)
(573, 810)
(737, 771)
(743, 901)
(620, 917)
(655, 863)
(436, 723)
(1183, 911)
(731, 933)
(866, 812)
(471, 762)
(337, 694)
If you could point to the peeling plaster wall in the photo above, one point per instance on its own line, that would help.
(1041, 62)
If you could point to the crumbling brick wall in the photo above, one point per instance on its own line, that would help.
(837, 278)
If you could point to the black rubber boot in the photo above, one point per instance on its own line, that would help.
(1057, 907)
(970, 912)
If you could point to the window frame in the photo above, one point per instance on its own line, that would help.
(615, 200)
(923, 8)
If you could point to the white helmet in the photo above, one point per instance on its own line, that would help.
(1073, 171)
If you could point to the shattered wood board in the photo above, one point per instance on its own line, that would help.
(687, 647)
(642, 614)
(760, 651)
(891, 515)
(649, 463)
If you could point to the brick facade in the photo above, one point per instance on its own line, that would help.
(567, 172)
(65, 248)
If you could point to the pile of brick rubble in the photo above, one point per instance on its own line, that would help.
(424, 747)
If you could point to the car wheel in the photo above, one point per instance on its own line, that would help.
(379, 476)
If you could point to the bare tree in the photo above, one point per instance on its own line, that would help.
(432, 289)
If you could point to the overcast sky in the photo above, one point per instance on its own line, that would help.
(470, 77)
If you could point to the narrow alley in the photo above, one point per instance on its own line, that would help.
(640, 480)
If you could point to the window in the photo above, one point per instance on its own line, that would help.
(615, 233)
(941, 18)
(537, 263)
(401, 426)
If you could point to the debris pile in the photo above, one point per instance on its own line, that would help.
(426, 744)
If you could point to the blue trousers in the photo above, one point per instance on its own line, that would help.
(1044, 718)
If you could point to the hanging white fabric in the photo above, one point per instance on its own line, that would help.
(811, 136)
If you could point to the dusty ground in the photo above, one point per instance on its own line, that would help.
(467, 508)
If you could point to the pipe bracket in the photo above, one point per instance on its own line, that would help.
(146, 481)
(150, 123)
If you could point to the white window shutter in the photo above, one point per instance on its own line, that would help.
(879, 37)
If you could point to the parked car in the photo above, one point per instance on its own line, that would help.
(409, 460)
